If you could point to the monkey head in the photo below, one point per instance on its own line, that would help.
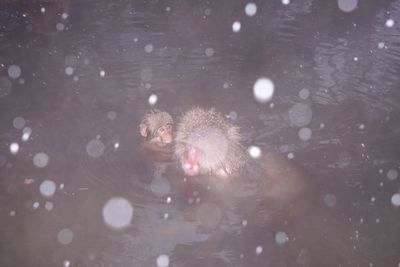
(206, 143)
(156, 127)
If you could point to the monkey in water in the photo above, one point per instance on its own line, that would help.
(267, 189)
(156, 128)
(207, 144)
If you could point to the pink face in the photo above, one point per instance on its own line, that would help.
(165, 133)
(190, 160)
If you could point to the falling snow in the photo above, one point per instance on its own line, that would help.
(117, 213)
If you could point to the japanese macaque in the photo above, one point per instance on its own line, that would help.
(208, 144)
(267, 190)
(156, 128)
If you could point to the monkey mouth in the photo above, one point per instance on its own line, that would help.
(189, 169)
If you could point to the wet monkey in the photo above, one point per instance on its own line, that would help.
(207, 144)
(267, 190)
(156, 128)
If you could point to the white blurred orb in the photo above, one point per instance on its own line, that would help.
(65, 236)
(19, 122)
(26, 133)
(300, 115)
(281, 238)
(263, 90)
(210, 52)
(305, 134)
(69, 70)
(163, 261)
(304, 93)
(14, 148)
(64, 15)
(60, 26)
(14, 71)
(153, 99)
(236, 26)
(396, 200)
(40, 160)
(250, 9)
(66, 263)
(47, 188)
(35, 205)
(149, 48)
(254, 152)
(286, 2)
(95, 148)
(389, 23)
(102, 73)
(347, 5)
(118, 213)
(259, 250)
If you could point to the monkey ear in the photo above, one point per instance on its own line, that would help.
(143, 129)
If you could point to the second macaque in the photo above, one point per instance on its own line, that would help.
(156, 128)
(207, 144)
(266, 191)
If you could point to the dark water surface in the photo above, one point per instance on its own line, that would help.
(75, 80)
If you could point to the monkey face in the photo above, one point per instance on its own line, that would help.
(190, 160)
(164, 133)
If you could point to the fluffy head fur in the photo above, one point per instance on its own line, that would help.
(152, 121)
(219, 140)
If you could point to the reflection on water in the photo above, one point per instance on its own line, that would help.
(75, 80)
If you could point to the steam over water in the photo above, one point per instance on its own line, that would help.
(315, 81)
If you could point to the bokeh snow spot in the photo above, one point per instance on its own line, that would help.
(47, 188)
(347, 5)
(281, 238)
(95, 148)
(300, 115)
(14, 71)
(250, 9)
(40, 160)
(65, 236)
(118, 213)
(163, 261)
(263, 90)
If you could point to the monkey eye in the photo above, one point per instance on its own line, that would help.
(161, 130)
